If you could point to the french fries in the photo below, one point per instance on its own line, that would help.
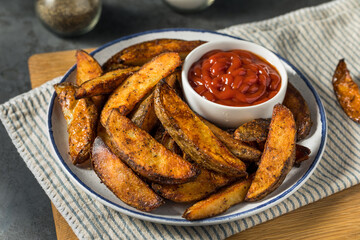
(104, 84)
(278, 156)
(192, 135)
(185, 158)
(144, 154)
(218, 202)
(128, 94)
(299, 108)
(81, 118)
(121, 180)
(346, 91)
(141, 53)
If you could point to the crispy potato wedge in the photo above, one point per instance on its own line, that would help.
(115, 66)
(121, 180)
(88, 68)
(299, 108)
(192, 135)
(128, 94)
(278, 156)
(205, 183)
(238, 148)
(144, 114)
(141, 53)
(301, 154)
(346, 91)
(255, 130)
(81, 118)
(144, 154)
(219, 202)
(104, 84)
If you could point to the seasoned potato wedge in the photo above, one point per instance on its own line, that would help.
(144, 154)
(346, 91)
(301, 153)
(238, 148)
(121, 180)
(278, 156)
(104, 84)
(81, 118)
(141, 53)
(144, 114)
(205, 183)
(88, 68)
(299, 108)
(219, 202)
(128, 94)
(192, 135)
(255, 130)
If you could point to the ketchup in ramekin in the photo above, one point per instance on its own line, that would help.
(234, 78)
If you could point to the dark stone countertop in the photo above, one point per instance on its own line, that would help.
(25, 211)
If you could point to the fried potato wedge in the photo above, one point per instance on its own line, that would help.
(238, 148)
(144, 154)
(255, 130)
(81, 118)
(141, 53)
(346, 91)
(278, 156)
(104, 84)
(128, 94)
(88, 68)
(144, 114)
(192, 135)
(219, 202)
(205, 183)
(299, 108)
(301, 154)
(121, 180)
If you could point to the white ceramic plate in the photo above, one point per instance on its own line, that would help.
(170, 213)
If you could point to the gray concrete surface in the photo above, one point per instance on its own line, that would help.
(25, 211)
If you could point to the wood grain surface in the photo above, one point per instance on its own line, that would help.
(335, 217)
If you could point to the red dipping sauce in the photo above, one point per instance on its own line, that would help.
(234, 78)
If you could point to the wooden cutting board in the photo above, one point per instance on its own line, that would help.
(335, 217)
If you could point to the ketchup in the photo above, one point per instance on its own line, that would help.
(234, 78)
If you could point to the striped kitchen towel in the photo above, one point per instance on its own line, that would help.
(312, 39)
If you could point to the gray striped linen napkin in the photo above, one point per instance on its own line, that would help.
(312, 39)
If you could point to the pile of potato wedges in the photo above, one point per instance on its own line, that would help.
(129, 120)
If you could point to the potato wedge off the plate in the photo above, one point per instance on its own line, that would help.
(81, 117)
(346, 91)
(192, 135)
(278, 156)
(144, 154)
(128, 94)
(121, 180)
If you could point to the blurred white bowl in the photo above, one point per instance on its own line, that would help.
(229, 116)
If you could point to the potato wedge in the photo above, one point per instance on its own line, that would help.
(192, 135)
(346, 91)
(205, 183)
(301, 154)
(144, 154)
(299, 108)
(81, 118)
(278, 156)
(128, 94)
(144, 114)
(104, 84)
(88, 68)
(238, 148)
(121, 180)
(255, 130)
(141, 53)
(219, 202)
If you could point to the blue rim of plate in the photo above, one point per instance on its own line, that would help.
(217, 219)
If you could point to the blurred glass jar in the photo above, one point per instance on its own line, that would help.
(69, 17)
(189, 5)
